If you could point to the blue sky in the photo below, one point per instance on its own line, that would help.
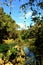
(18, 17)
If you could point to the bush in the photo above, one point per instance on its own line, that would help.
(4, 48)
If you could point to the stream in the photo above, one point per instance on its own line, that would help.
(30, 56)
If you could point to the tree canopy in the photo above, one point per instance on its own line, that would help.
(7, 25)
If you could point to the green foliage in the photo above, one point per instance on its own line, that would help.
(4, 48)
(7, 26)
(24, 34)
(1, 55)
(11, 53)
(7, 51)
(14, 50)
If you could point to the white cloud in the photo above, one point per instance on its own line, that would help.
(28, 14)
(22, 26)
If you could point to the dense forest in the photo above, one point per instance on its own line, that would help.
(12, 40)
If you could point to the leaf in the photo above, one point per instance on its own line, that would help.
(40, 4)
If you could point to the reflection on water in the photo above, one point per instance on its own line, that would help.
(28, 52)
(31, 58)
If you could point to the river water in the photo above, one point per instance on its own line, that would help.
(30, 56)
